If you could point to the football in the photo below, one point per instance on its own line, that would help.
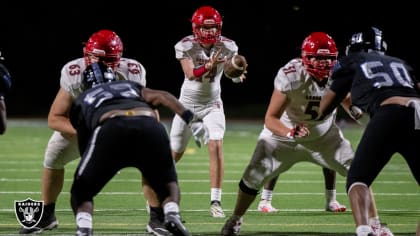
(235, 66)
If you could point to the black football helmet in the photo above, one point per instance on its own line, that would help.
(97, 73)
(368, 40)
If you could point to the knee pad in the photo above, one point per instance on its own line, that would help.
(179, 144)
(216, 123)
(246, 189)
(60, 151)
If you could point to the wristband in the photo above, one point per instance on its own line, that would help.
(199, 71)
(187, 116)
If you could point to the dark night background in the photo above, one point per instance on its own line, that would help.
(37, 39)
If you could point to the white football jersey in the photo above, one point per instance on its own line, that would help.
(72, 72)
(207, 88)
(304, 96)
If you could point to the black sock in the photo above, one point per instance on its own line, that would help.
(49, 209)
(156, 213)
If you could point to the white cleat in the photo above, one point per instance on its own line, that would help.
(216, 210)
(381, 230)
(335, 206)
(266, 207)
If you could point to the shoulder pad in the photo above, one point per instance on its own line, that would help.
(290, 75)
(229, 44)
(185, 44)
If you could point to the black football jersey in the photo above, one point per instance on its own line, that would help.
(93, 103)
(371, 78)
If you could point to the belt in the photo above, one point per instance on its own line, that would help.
(413, 102)
(403, 101)
(130, 112)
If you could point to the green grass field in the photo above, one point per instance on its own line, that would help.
(120, 207)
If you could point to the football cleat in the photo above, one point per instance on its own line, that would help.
(84, 231)
(173, 223)
(216, 210)
(266, 207)
(335, 206)
(46, 223)
(381, 230)
(232, 226)
(364, 230)
(157, 228)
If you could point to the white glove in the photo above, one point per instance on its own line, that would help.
(355, 112)
(199, 132)
(236, 80)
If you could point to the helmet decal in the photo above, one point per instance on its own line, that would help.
(368, 40)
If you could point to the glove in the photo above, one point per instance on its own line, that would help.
(199, 132)
(236, 80)
(5, 80)
(299, 131)
(355, 112)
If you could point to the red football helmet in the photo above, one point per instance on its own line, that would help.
(105, 46)
(319, 55)
(207, 25)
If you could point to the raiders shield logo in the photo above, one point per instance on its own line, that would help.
(29, 212)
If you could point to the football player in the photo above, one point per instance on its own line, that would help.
(5, 85)
(384, 87)
(117, 127)
(105, 46)
(318, 73)
(292, 131)
(202, 56)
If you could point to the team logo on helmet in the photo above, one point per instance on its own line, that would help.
(29, 212)
(370, 39)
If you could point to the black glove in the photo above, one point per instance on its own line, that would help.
(5, 80)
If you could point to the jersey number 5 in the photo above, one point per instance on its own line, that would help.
(312, 109)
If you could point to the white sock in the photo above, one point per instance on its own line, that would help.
(374, 220)
(363, 230)
(171, 207)
(216, 194)
(267, 195)
(330, 195)
(84, 220)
